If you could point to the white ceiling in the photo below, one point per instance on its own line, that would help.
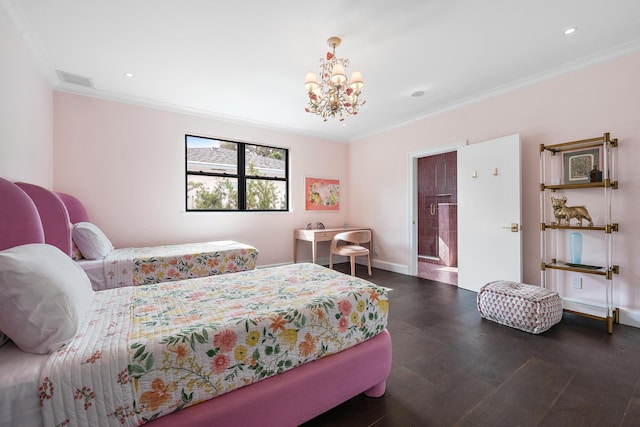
(245, 60)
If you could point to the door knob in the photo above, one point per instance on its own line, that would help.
(514, 227)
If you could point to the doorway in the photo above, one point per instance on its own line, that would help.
(433, 186)
(437, 218)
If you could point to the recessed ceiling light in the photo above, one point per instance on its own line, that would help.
(417, 94)
(570, 31)
(130, 75)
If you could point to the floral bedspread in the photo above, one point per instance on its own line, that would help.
(147, 351)
(156, 264)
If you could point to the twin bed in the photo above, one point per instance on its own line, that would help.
(274, 346)
(66, 225)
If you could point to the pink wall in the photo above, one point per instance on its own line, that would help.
(126, 163)
(578, 105)
(26, 112)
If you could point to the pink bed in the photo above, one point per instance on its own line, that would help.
(64, 220)
(289, 398)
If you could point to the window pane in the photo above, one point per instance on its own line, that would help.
(265, 161)
(211, 155)
(229, 175)
(211, 193)
(265, 194)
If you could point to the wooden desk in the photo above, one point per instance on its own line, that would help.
(315, 236)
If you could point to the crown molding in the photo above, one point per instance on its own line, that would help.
(181, 109)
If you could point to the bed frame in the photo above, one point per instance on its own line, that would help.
(57, 211)
(290, 398)
(53, 215)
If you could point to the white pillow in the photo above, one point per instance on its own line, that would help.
(44, 295)
(91, 241)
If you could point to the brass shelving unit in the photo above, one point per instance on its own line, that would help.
(553, 267)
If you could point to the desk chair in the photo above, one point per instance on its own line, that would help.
(352, 248)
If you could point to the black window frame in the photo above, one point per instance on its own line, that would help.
(241, 175)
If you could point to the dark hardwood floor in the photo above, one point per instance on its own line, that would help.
(453, 368)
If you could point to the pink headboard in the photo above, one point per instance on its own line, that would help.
(19, 219)
(75, 208)
(53, 215)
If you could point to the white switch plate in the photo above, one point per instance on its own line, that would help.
(576, 282)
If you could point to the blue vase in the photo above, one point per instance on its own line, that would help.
(575, 246)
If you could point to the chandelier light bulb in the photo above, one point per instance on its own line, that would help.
(338, 75)
(356, 80)
(311, 82)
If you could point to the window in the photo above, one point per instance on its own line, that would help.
(226, 175)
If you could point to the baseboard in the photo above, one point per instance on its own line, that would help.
(629, 317)
(320, 261)
(383, 265)
(273, 265)
(626, 317)
(390, 266)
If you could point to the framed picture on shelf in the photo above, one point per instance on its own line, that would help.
(322, 194)
(578, 164)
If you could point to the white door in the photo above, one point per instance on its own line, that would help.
(489, 212)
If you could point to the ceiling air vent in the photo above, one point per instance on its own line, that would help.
(74, 79)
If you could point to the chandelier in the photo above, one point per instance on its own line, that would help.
(334, 95)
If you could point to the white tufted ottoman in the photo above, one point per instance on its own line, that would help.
(529, 308)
